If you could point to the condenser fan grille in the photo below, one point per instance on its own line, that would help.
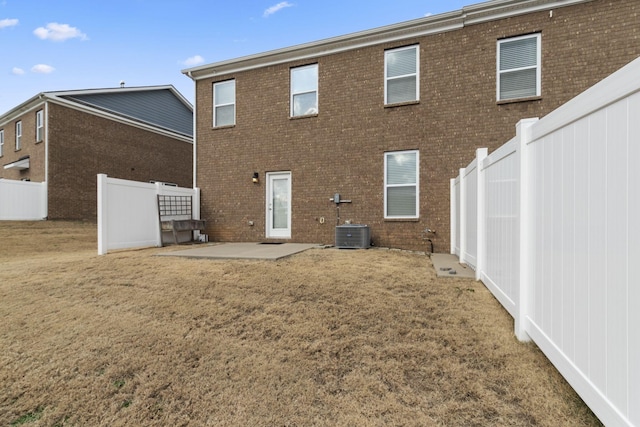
(353, 236)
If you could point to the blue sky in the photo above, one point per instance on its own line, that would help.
(51, 45)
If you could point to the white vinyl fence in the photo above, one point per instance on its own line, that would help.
(128, 212)
(22, 200)
(467, 248)
(555, 236)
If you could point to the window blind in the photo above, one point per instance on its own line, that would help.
(519, 53)
(518, 67)
(224, 102)
(401, 75)
(401, 182)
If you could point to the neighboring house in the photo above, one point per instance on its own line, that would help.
(66, 138)
(385, 117)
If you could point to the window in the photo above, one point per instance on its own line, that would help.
(39, 125)
(401, 190)
(304, 90)
(224, 103)
(1, 142)
(18, 135)
(401, 83)
(519, 67)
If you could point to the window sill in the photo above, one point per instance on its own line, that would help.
(402, 104)
(223, 127)
(306, 116)
(516, 100)
(402, 220)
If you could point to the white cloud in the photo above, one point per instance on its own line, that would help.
(42, 69)
(194, 60)
(277, 7)
(4, 23)
(17, 71)
(59, 32)
(426, 15)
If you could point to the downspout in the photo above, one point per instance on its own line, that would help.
(46, 151)
(195, 133)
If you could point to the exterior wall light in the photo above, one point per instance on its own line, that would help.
(255, 178)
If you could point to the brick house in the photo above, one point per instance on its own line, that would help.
(66, 138)
(385, 117)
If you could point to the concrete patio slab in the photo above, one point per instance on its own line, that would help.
(242, 251)
(447, 265)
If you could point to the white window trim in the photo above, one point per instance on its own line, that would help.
(538, 65)
(1, 142)
(417, 185)
(416, 74)
(292, 93)
(18, 135)
(216, 106)
(39, 125)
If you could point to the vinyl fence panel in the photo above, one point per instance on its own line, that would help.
(23, 200)
(469, 204)
(501, 269)
(633, 255)
(455, 216)
(128, 212)
(561, 208)
(470, 253)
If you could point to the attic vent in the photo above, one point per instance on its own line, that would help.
(353, 236)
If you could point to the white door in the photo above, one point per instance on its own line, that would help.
(279, 205)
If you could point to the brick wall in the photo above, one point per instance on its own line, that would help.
(82, 145)
(342, 148)
(29, 147)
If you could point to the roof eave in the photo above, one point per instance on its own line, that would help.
(30, 104)
(500, 9)
(39, 99)
(469, 15)
(171, 88)
(437, 23)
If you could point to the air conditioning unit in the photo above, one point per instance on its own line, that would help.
(353, 236)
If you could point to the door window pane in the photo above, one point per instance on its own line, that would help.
(280, 203)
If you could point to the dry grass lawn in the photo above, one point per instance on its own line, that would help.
(324, 338)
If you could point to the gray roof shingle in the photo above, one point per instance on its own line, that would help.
(159, 107)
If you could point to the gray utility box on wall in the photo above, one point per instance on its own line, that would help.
(353, 236)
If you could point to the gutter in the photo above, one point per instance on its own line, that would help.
(29, 105)
(450, 21)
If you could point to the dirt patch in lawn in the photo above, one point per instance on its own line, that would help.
(326, 337)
